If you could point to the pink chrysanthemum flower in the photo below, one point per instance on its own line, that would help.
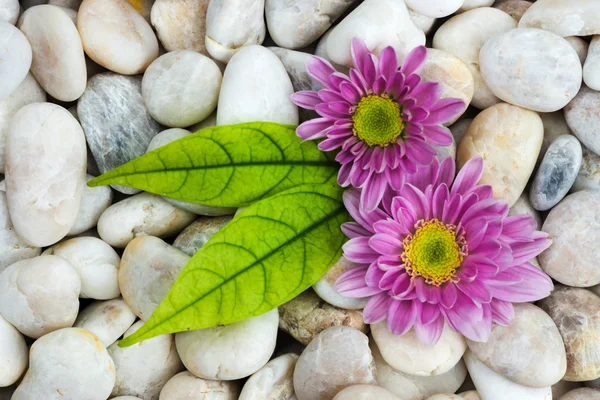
(437, 250)
(382, 118)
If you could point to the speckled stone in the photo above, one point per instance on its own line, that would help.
(493, 135)
(117, 125)
(180, 24)
(192, 238)
(576, 313)
(583, 116)
(305, 316)
(531, 68)
(574, 229)
(564, 17)
(514, 8)
(529, 352)
(274, 381)
(589, 173)
(556, 173)
(582, 394)
(325, 287)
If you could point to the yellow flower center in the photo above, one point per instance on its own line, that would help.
(434, 252)
(378, 120)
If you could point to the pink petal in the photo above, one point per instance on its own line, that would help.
(359, 251)
(403, 286)
(446, 172)
(365, 219)
(429, 334)
(468, 270)
(534, 285)
(476, 290)
(503, 312)
(392, 228)
(401, 316)
(350, 92)
(359, 52)
(385, 244)
(376, 308)
(476, 330)
(427, 94)
(468, 176)
(438, 134)
(388, 62)
(414, 60)
(418, 151)
(352, 230)
(352, 284)
(448, 295)
(373, 275)
(306, 99)
(444, 110)
(314, 129)
(320, 69)
(439, 198)
(525, 251)
(429, 313)
(389, 277)
(518, 226)
(426, 292)
(373, 192)
(418, 200)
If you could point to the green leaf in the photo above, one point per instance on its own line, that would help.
(227, 166)
(267, 255)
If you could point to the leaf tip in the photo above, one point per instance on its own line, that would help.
(96, 182)
(128, 341)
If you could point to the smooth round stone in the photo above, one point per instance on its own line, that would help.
(256, 87)
(412, 387)
(15, 57)
(573, 228)
(117, 126)
(583, 116)
(581, 48)
(589, 173)
(492, 135)
(40, 295)
(459, 129)
(564, 17)
(180, 25)
(305, 316)
(185, 386)
(365, 392)
(29, 91)
(380, 23)
(423, 22)
(297, 23)
(94, 201)
(452, 74)
(198, 233)
(232, 25)
(325, 287)
(9, 11)
(556, 173)
(12, 247)
(96, 263)
(582, 394)
(523, 206)
(464, 35)
(407, 354)
(166, 137)
(295, 65)
(71, 363)
(181, 88)
(576, 313)
(529, 352)
(514, 8)
(554, 126)
(13, 354)
(62, 74)
(435, 8)
(144, 368)
(492, 386)
(214, 353)
(149, 268)
(108, 320)
(116, 36)
(274, 381)
(45, 172)
(142, 214)
(531, 68)
(471, 4)
(342, 357)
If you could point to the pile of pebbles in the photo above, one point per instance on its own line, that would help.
(86, 86)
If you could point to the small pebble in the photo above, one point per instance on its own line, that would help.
(15, 53)
(582, 394)
(108, 320)
(166, 137)
(514, 8)
(198, 233)
(9, 11)
(583, 115)
(180, 25)
(325, 287)
(94, 200)
(581, 48)
(564, 17)
(471, 4)
(589, 174)
(365, 392)
(215, 353)
(554, 126)
(435, 8)
(274, 381)
(13, 354)
(185, 386)
(321, 51)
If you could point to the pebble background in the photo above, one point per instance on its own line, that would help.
(86, 86)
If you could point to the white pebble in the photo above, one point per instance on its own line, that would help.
(365, 392)
(423, 22)
(580, 46)
(274, 381)
(15, 58)
(13, 354)
(471, 4)
(106, 319)
(94, 201)
(165, 137)
(435, 8)
(185, 386)
(229, 352)
(9, 11)
(180, 25)
(591, 68)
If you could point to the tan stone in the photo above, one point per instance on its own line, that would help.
(181, 24)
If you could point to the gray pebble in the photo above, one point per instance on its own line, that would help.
(557, 173)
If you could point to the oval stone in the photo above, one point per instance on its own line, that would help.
(274, 381)
(180, 25)
(574, 229)
(94, 201)
(15, 58)
(529, 352)
(531, 68)
(582, 394)
(106, 319)
(45, 172)
(256, 87)
(116, 36)
(564, 17)
(492, 135)
(165, 137)
(185, 386)
(471, 4)
(13, 353)
(576, 313)
(556, 173)
(325, 287)
(583, 116)
(63, 73)
(591, 68)
(589, 173)
(464, 35)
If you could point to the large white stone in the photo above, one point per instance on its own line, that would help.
(256, 87)
(67, 364)
(232, 25)
(229, 352)
(435, 8)
(106, 319)
(564, 17)
(181, 88)
(380, 23)
(40, 295)
(185, 386)
(58, 59)
(9, 11)
(144, 368)
(142, 214)
(365, 392)
(492, 386)
(116, 36)
(96, 263)
(13, 354)
(15, 58)
(181, 25)
(325, 287)
(465, 34)
(274, 381)
(149, 268)
(407, 354)
(45, 172)
(94, 201)
(531, 68)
